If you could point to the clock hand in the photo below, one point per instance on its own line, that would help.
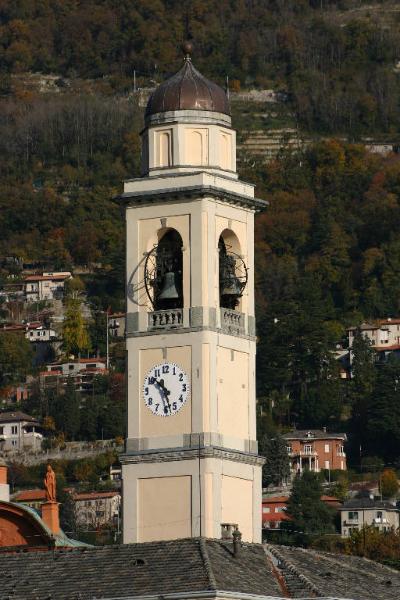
(166, 392)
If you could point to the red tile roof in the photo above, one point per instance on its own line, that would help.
(95, 495)
(30, 496)
(46, 277)
(274, 499)
(383, 348)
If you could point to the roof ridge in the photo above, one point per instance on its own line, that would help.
(207, 563)
(289, 566)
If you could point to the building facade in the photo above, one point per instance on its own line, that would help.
(48, 286)
(82, 372)
(19, 431)
(316, 450)
(367, 512)
(96, 509)
(190, 327)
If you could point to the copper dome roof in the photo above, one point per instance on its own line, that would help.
(188, 90)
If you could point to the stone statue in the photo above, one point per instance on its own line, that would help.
(50, 484)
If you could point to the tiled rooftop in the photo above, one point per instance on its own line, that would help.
(156, 568)
(191, 566)
(323, 575)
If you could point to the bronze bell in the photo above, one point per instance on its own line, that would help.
(232, 287)
(169, 291)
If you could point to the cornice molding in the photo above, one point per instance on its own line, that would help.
(178, 454)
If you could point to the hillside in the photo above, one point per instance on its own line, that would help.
(336, 59)
(328, 248)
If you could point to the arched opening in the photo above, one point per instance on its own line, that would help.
(168, 280)
(232, 272)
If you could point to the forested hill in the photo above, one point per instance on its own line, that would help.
(336, 58)
(328, 247)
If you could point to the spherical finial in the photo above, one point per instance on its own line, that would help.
(187, 49)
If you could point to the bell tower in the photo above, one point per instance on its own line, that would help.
(190, 462)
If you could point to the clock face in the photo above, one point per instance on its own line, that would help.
(165, 389)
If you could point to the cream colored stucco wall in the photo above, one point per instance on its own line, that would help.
(211, 482)
(216, 383)
(200, 224)
(181, 145)
(233, 392)
(237, 504)
(164, 508)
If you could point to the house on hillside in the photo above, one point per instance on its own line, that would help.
(274, 510)
(116, 325)
(315, 450)
(96, 509)
(19, 431)
(37, 332)
(384, 335)
(47, 286)
(82, 371)
(360, 512)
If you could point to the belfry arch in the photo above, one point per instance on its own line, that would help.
(232, 270)
(168, 282)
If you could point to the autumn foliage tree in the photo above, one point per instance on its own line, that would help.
(389, 483)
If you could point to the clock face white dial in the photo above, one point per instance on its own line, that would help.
(165, 389)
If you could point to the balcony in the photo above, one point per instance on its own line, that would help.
(380, 521)
(351, 522)
(166, 319)
(303, 453)
(233, 322)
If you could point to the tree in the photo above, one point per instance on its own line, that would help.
(361, 390)
(67, 412)
(276, 468)
(68, 516)
(16, 357)
(383, 427)
(310, 516)
(98, 333)
(75, 334)
(389, 483)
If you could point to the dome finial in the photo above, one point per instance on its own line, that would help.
(187, 49)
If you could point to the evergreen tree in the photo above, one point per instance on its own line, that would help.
(361, 391)
(383, 427)
(68, 411)
(310, 516)
(16, 358)
(276, 468)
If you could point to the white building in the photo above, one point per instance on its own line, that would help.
(384, 333)
(36, 332)
(367, 512)
(48, 286)
(95, 509)
(19, 431)
(116, 325)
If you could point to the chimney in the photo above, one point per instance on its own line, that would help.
(237, 542)
(51, 517)
(227, 530)
(4, 487)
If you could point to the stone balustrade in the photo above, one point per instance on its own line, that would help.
(166, 319)
(232, 321)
